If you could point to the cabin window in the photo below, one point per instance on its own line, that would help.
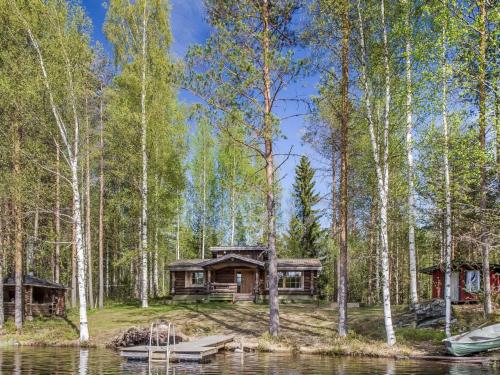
(290, 280)
(197, 278)
(472, 281)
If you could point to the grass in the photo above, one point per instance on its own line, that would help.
(304, 328)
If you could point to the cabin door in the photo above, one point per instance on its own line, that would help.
(455, 279)
(245, 280)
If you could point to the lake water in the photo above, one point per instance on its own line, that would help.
(61, 361)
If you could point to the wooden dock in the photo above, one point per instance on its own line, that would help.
(198, 350)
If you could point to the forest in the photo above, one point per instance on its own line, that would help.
(107, 174)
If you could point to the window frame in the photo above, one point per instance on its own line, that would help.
(189, 279)
(477, 286)
(283, 285)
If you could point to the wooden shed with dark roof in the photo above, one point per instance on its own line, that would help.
(41, 297)
(239, 273)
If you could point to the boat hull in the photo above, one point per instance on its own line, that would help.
(461, 349)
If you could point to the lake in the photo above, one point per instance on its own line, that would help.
(59, 361)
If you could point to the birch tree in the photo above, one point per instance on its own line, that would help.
(139, 32)
(409, 155)
(381, 161)
(69, 129)
(446, 170)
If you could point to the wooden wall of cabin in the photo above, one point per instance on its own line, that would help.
(224, 275)
(179, 282)
(310, 286)
(53, 302)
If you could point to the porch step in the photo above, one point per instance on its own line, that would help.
(221, 297)
(243, 297)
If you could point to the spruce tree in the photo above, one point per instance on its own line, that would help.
(305, 230)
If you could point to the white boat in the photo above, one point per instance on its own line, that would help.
(475, 341)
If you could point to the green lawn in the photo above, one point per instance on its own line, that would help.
(304, 327)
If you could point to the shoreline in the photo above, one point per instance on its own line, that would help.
(493, 359)
(306, 329)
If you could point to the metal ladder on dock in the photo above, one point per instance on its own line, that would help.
(170, 330)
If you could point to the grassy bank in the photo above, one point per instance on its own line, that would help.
(304, 328)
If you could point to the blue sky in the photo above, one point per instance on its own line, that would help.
(189, 27)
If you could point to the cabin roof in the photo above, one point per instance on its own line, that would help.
(230, 257)
(216, 249)
(34, 281)
(283, 264)
(299, 263)
(186, 265)
(457, 264)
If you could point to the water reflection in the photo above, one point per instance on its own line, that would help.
(63, 361)
(84, 361)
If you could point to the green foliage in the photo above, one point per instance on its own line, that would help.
(305, 233)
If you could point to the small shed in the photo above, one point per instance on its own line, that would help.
(466, 280)
(41, 297)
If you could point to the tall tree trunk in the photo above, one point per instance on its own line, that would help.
(57, 257)
(233, 198)
(382, 174)
(333, 224)
(377, 258)
(155, 264)
(80, 251)
(144, 191)
(32, 243)
(342, 296)
(373, 252)
(409, 155)
(88, 240)
(274, 320)
(72, 151)
(74, 281)
(18, 227)
(391, 338)
(178, 232)
(485, 245)
(204, 203)
(101, 203)
(497, 134)
(447, 254)
(2, 251)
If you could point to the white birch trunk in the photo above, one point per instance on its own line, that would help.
(391, 338)
(73, 163)
(447, 256)
(144, 191)
(57, 257)
(409, 155)
(382, 170)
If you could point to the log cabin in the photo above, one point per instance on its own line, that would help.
(41, 297)
(239, 273)
(466, 281)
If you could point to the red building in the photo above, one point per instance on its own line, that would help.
(466, 280)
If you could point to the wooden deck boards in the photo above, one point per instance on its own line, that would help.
(195, 350)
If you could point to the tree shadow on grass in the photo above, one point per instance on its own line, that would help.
(302, 326)
(72, 325)
(233, 327)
